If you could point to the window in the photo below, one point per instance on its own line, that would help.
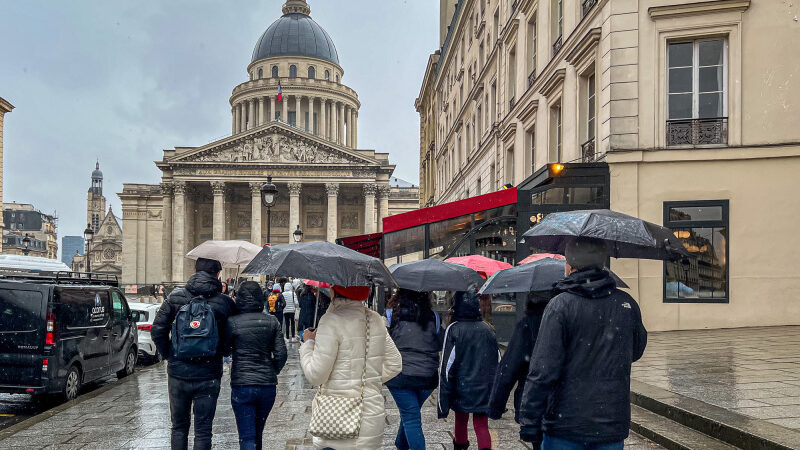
(478, 187)
(312, 72)
(532, 51)
(492, 177)
(327, 74)
(292, 71)
(590, 117)
(702, 226)
(697, 78)
(479, 126)
(337, 78)
(120, 309)
(292, 118)
(555, 132)
(512, 77)
(496, 23)
(480, 55)
(557, 19)
(260, 73)
(510, 166)
(274, 71)
(83, 308)
(530, 140)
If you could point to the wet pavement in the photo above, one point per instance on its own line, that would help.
(135, 414)
(753, 371)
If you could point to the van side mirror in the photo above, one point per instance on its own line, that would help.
(135, 317)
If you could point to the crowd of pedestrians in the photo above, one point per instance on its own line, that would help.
(568, 362)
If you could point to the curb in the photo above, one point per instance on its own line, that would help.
(31, 421)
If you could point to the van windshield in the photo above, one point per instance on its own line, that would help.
(20, 310)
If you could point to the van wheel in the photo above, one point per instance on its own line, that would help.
(72, 384)
(130, 362)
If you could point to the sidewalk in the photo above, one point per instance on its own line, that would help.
(135, 414)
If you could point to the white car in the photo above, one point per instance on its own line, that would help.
(147, 314)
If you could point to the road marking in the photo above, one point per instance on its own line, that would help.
(6, 415)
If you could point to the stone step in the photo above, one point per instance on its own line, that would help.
(671, 435)
(719, 423)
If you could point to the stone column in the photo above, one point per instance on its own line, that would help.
(383, 204)
(233, 120)
(340, 116)
(255, 214)
(298, 119)
(333, 208)
(218, 189)
(271, 108)
(346, 121)
(237, 118)
(166, 232)
(355, 128)
(294, 208)
(334, 126)
(242, 117)
(285, 112)
(369, 208)
(179, 232)
(323, 124)
(311, 115)
(251, 122)
(262, 113)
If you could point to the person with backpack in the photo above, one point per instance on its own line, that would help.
(276, 303)
(186, 331)
(469, 363)
(256, 342)
(290, 300)
(308, 303)
(416, 331)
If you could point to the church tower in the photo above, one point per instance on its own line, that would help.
(96, 203)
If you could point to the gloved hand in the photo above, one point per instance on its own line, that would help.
(532, 435)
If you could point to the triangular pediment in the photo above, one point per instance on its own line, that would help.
(109, 227)
(274, 143)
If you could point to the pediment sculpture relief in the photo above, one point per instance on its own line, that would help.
(275, 149)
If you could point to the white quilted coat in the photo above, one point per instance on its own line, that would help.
(336, 360)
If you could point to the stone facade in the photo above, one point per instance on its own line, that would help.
(23, 219)
(105, 252)
(5, 107)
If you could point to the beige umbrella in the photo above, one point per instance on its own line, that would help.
(231, 254)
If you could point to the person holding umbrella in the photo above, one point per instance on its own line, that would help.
(308, 301)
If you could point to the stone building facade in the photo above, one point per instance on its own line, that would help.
(5, 107)
(307, 142)
(23, 219)
(105, 248)
(689, 103)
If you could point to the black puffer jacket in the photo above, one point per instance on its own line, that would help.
(590, 335)
(308, 302)
(419, 345)
(254, 339)
(469, 359)
(207, 286)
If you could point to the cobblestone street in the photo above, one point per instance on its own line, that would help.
(135, 414)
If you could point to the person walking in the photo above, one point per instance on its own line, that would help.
(193, 383)
(308, 301)
(259, 354)
(416, 331)
(469, 363)
(290, 299)
(514, 365)
(338, 358)
(275, 303)
(577, 395)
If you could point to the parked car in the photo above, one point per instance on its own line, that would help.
(144, 314)
(59, 332)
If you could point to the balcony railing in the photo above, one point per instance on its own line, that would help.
(512, 103)
(588, 153)
(557, 44)
(713, 131)
(531, 78)
(587, 6)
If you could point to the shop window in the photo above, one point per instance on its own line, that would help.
(292, 71)
(312, 72)
(703, 228)
(446, 237)
(274, 71)
(697, 93)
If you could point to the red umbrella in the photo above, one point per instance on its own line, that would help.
(538, 256)
(316, 284)
(486, 267)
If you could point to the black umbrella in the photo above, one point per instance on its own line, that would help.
(625, 236)
(537, 276)
(434, 275)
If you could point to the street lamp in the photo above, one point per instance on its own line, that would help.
(26, 243)
(297, 235)
(269, 195)
(88, 233)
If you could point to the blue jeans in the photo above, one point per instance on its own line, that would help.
(251, 406)
(409, 402)
(553, 443)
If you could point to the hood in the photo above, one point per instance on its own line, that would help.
(466, 306)
(249, 297)
(204, 284)
(589, 283)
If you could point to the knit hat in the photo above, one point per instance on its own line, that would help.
(355, 293)
(583, 253)
(276, 287)
(209, 266)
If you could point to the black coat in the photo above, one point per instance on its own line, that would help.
(513, 368)
(469, 360)
(209, 287)
(255, 341)
(307, 302)
(578, 387)
(419, 345)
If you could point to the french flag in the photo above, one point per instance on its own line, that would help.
(280, 92)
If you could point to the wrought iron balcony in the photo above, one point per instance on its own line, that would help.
(531, 78)
(512, 103)
(586, 6)
(588, 153)
(557, 44)
(693, 132)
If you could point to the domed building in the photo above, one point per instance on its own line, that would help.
(293, 120)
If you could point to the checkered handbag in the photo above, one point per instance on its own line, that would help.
(338, 418)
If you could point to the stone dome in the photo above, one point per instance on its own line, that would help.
(97, 174)
(296, 34)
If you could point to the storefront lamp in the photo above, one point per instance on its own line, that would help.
(556, 169)
(297, 235)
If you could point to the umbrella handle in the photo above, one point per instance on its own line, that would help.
(316, 310)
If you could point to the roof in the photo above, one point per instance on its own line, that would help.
(18, 262)
(400, 183)
(296, 34)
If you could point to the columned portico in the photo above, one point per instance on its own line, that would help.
(179, 232)
(255, 213)
(333, 206)
(294, 207)
(166, 238)
(218, 190)
(369, 208)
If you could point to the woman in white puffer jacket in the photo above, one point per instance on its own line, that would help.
(334, 357)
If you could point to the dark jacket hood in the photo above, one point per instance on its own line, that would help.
(466, 306)
(249, 297)
(589, 283)
(204, 284)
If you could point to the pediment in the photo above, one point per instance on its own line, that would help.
(275, 143)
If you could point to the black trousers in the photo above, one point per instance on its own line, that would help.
(186, 397)
(288, 321)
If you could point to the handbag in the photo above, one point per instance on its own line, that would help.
(337, 418)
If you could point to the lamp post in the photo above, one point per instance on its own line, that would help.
(88, 233)
(297, 235)
(269, 195)
(26, 242)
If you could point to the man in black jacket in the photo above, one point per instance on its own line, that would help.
(577, 395)
(198, 380)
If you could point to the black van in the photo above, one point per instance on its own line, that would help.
(57, 333)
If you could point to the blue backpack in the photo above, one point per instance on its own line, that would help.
(194, 331)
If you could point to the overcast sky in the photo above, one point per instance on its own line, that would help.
(120, 81)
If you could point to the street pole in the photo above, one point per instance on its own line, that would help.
(269, 225)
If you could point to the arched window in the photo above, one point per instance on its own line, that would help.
(260, 73)
(337, 78)
(274, 71)
(327, 74)
(312, 72)
(292, 71)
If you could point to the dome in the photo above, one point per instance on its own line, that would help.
(97, 174)
(296, 34)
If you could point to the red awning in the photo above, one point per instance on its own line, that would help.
(368, 244)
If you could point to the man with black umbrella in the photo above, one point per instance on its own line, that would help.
(577, 394)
